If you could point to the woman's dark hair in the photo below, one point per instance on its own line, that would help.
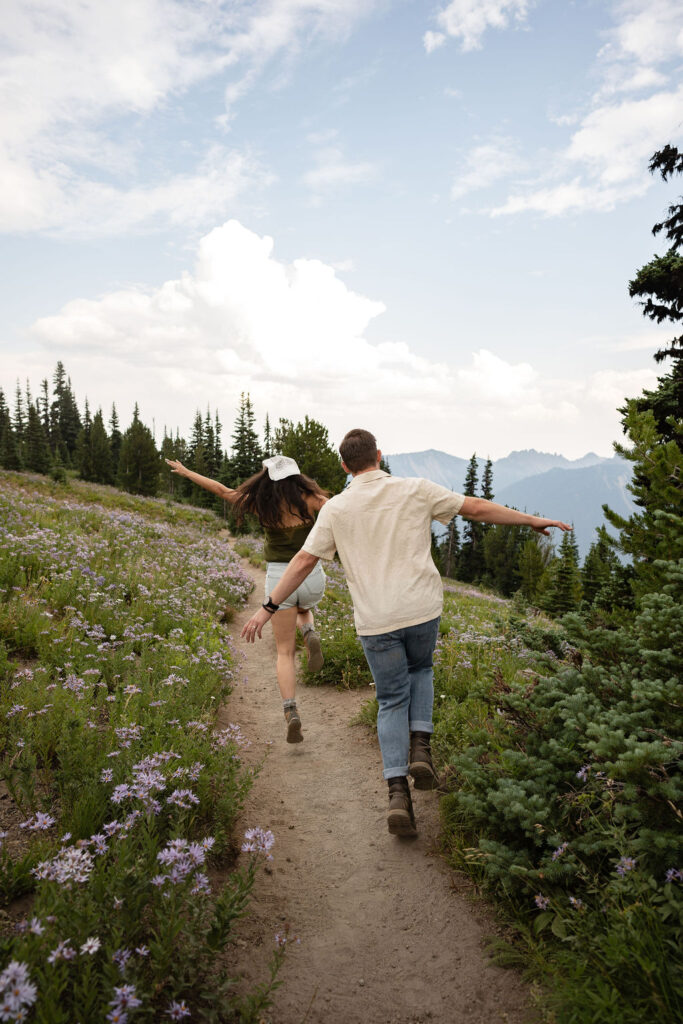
(268, 499)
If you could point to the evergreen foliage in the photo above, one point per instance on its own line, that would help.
(450, 549)
(115, 439)
(37, 449)
(138, 469)
(564, 592)
(308, 443)
(502, 547)
(471, 564)
(247, 454)
(534, 557)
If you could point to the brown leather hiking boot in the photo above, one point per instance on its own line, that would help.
(421, 767)
(400, 816)
(313, 651)
(293, 726)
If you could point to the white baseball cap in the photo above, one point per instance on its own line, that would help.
(280, 466)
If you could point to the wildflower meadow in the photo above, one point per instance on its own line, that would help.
(120, 787)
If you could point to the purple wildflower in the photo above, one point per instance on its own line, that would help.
(625, 865)
(176, 1011)
(674, 875)
(583, 772)
(562, 848)
(258, 840)
(91, 945)
(542, 902)
(63, 951)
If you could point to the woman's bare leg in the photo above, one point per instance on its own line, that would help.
(284, 625)
(304, 618)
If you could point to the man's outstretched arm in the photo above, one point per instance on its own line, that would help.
(483, 511)
(294, 575)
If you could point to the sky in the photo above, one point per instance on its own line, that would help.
(413, 216)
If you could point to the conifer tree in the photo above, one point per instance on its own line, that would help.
(82, 454)
(10, 457)
(44, 407)
(533, 560)
(100, 451)
(487, 481)
(218, 444)
(564, 594)
(450, 551)
(471, 564)
(309, 445)
(267, 439)
(138, 470)
(115, 438)
(502, 546)
(37, 448)
(598, 566)
(19, 424)
(246, 450)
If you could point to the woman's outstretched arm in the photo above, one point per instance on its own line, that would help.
(227, 493)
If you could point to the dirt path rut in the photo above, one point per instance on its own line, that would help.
(388, 934)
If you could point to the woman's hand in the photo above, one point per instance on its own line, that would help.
(176, 466)
(541, 525)
(253, 627)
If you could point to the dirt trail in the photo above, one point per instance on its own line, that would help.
(387, 932)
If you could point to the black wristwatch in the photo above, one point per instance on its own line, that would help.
(270, 607)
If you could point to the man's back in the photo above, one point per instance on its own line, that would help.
(381, 527)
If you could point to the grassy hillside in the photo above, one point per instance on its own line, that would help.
(119, 790)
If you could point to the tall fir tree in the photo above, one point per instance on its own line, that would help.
(82, 453)
(471, 565)
(450, 550)
(44, 407)
(564, 593)
(19, 423)
(246, 450)
(267, 439)
(138, 470)
(487, 481)
(534, 558)
(100, 451)
(10, 456)
(502, 546)
(37, 449)
(115, 438)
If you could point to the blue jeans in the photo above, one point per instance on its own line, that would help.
(401, 665)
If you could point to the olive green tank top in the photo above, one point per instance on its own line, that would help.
(283, 543)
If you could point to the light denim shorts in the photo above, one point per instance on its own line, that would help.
(305, 596)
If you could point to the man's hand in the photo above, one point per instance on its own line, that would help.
(176, 466)
(253, 627)
(541, 526)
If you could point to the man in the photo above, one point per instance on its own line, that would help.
(381, 528)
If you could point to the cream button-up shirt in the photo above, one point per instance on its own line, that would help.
(381, 527)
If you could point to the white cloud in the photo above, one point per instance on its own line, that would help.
(333, 171)
(468, 20)
(605, 160)
(486, 164)
(294, 337)
(72, 70)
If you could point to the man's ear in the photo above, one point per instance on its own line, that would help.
(345, 467)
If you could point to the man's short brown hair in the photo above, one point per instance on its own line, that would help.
(359, 450)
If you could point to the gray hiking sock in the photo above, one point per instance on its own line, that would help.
(308, 628)
(289, 703)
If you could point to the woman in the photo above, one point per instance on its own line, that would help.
(285, 502)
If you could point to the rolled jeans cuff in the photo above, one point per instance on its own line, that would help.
(394, 773)
(421, 727)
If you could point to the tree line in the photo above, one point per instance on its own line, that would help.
(47, 434)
